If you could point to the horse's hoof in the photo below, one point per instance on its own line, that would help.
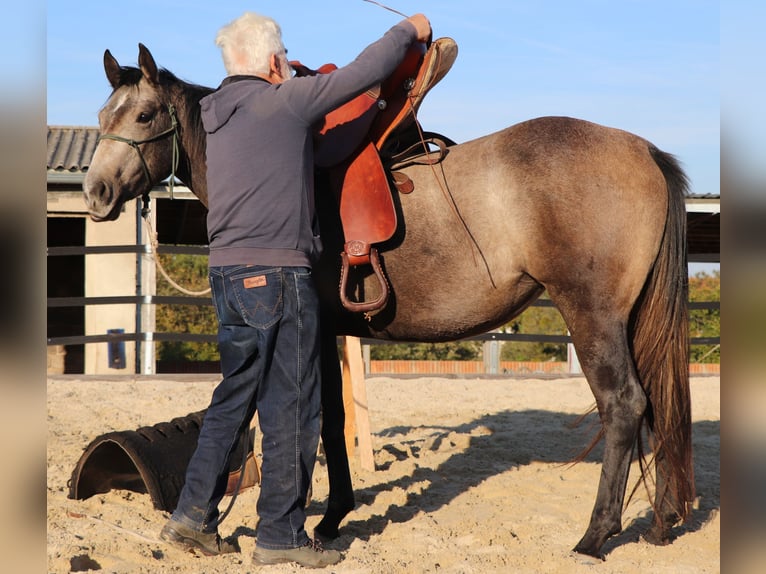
(328, 527)
(587, 559)
(325, 533)
(585, 555)
(657, 536)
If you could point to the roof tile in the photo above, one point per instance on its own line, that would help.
(70, 149)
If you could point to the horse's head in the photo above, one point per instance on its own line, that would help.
(138, 138)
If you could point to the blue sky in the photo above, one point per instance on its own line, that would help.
(647, 66)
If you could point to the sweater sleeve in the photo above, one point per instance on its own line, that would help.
(312, 97)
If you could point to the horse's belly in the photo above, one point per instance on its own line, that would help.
(448, 302)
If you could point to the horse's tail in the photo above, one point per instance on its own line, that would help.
(660, 339)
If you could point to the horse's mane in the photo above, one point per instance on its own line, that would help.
(130, 76)
(188, 95)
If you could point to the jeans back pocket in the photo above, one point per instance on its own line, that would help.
(259, 296)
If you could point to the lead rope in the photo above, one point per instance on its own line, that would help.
(145, 213)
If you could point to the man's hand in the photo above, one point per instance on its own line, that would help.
(422, 25)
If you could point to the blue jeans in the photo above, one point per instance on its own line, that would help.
(268, 337)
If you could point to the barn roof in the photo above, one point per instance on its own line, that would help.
(70, 149)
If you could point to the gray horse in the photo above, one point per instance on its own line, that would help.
(593, 215)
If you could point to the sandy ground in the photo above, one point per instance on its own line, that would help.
(472, 476)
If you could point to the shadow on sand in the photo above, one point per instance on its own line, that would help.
(488, 454)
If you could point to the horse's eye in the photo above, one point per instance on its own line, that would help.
(144, 117)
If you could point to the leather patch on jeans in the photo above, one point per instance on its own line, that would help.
(258, 281)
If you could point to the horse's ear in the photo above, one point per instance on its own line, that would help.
(147, 65)
(112, 69)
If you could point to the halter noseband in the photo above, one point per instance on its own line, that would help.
(172, 130)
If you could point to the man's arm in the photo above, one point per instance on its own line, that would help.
(313, 97)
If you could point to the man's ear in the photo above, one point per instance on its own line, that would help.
(274, 67)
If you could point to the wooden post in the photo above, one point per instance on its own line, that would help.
(349, 430)
(355, 403)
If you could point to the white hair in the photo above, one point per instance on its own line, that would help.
(248, 43)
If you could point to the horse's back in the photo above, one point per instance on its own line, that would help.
(575, 196)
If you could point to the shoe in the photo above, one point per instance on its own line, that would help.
(210, 544)
(310, 555)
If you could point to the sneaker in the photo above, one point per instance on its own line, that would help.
(310, 555)
(210, 544)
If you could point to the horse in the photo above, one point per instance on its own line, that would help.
(591, 214)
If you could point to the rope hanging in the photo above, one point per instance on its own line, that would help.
(145, 212)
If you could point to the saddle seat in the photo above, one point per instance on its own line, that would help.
(349, 145)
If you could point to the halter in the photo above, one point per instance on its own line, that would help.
(172, 130)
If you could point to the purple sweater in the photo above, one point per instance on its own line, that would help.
(260, 157)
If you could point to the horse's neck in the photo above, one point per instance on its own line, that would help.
(192, 171)
(195, 178)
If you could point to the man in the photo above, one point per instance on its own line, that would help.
(263, 238)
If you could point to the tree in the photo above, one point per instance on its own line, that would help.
(705, 322)
(454, 351)
(191, 272)
(536, 320)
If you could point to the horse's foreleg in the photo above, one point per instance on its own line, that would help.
(341, 498)
(606, 361)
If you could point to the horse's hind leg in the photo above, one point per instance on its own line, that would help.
(664, 505)
(602, 348)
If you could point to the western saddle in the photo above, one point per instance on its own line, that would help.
(359, 142)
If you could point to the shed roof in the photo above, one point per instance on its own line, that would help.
(70, 148)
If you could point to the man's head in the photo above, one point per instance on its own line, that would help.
(252, 45)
